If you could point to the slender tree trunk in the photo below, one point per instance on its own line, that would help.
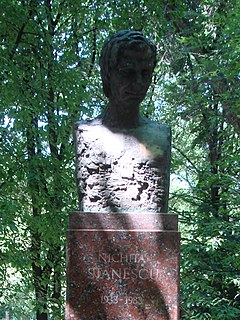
(40, 285)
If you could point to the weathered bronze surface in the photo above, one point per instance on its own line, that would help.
(122, 158)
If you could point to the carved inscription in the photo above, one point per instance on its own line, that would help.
(116, 297)
(121, 257)
(132, 266)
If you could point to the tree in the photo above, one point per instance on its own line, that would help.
(41, 97)
(204, 74)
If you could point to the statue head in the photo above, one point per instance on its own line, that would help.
(113, 54)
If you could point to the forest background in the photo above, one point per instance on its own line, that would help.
(49, 78)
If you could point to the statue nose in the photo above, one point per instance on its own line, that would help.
(139, 81)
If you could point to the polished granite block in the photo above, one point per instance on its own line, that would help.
(122, 266)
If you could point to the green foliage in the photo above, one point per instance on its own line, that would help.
(49, 78)
(205, 121)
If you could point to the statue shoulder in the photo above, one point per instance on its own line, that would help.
(163, 128)
(87, 124)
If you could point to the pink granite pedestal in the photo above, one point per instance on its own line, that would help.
(122, 266)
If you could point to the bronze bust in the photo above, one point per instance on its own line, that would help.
(122, 158)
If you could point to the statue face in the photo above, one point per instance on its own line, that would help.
(131, 78)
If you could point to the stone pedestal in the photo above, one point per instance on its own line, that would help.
(122, 266)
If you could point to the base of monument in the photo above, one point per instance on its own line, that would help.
(122, 266)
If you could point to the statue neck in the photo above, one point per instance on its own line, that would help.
(121, 116)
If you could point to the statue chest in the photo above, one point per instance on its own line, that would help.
(122, 171)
